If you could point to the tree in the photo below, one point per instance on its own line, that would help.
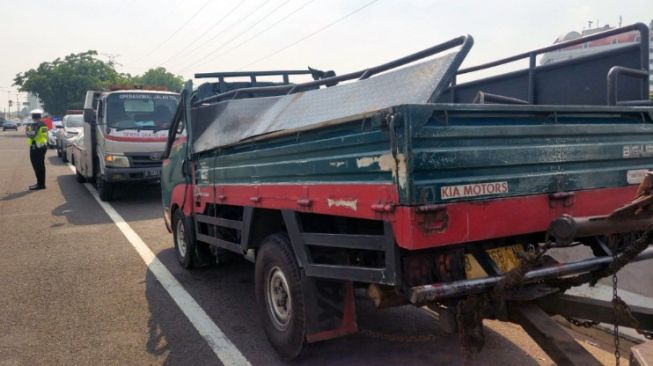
(62, 84)
(160, 77)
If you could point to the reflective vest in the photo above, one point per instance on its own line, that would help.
(37, 134)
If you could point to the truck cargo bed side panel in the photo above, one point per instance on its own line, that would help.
(473, 157)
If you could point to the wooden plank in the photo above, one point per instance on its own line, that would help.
(555, 341)
(642, 354)
(593, 309)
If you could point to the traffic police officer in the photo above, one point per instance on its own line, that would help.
(37, 133)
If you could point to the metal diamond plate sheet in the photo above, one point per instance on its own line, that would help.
(229, 122)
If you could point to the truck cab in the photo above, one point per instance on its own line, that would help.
(124, 137)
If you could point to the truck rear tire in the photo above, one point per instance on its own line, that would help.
(280, 296)
(105, 189)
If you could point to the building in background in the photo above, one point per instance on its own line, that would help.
(619, 40)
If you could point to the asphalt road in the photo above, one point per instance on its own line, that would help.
(74, 291)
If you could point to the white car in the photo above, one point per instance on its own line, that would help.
(52, 134)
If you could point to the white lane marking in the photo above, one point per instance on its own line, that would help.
(217, 340)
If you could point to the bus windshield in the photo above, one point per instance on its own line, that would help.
(140, 111)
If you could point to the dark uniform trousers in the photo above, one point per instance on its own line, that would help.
(37, 157)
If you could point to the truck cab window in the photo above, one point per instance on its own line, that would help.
(181, 128)
(140, 111)
(100, 112)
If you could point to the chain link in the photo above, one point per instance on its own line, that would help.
(398, 337)
(582, 323)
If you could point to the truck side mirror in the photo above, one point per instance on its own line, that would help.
(89, 115)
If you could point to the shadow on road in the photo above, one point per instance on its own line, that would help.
(15, 195)
(55, 160)
(138, 201)
(133, 201)
(171, 336)
(396, 336)
(76, 207)
(14, 135)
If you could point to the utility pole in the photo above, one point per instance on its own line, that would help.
(112, 57)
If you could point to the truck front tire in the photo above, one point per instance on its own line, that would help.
(80, 178)
(105, 189)
(280, 297)
(184, 238)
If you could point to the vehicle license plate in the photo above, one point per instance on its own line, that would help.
(504, 257)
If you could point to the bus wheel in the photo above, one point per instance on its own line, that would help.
(280, 297)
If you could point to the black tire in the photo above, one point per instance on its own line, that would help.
(59, 152)
(64, 156)
(80, 178)
(284, 320)
(105, 189)
(184, 239)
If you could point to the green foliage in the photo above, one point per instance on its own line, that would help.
(62, 84)
(160, 77)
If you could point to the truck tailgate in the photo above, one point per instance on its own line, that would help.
(473, 156)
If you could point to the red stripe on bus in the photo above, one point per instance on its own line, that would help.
(135, 139)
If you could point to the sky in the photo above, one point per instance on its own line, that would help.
(193, 36)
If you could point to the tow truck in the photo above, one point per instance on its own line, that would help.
(125, 131)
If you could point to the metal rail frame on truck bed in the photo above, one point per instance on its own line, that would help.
(345, 200)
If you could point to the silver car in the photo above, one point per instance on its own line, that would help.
(73, 126)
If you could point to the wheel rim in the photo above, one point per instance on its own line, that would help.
(278, 298)
(181, 239)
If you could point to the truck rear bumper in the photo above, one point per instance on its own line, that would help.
(634, 217)
(132, 174)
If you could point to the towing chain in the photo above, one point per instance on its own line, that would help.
(617, 303)
(399, 338)
(620, 308)
(472, 310)
(619, 261)
(582, 323)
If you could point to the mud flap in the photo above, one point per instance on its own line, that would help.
(330, 309)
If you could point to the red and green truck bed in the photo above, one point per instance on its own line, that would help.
(402, 179)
